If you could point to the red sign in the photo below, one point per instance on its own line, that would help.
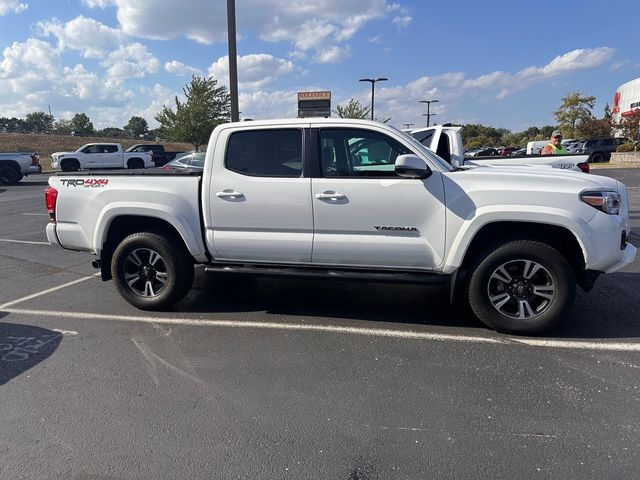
(616, 103)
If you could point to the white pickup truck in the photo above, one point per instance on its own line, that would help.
(100, 156)
(446, 141)
(15, 165)
(349, 199)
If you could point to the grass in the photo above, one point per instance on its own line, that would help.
(48, 144)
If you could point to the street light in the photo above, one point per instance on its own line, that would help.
(373, 82)
(428, 114)
(233, 60)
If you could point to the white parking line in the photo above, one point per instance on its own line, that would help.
(372, 332)
(44, 292)
(9, 240)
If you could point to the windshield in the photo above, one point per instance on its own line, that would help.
(444, 166)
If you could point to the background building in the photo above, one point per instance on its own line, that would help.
(626, 100)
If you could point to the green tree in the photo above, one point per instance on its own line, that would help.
(207, 105)
(136, 127)
(38, 122)
(576, 107)
(353, 109)
(82, 124)
(112, 132)
(629, 125)
(63, 127)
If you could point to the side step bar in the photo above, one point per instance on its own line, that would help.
(327, 273)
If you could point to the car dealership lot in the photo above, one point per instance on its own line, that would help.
(250, 378)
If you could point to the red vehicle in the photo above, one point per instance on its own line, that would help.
(506, 151)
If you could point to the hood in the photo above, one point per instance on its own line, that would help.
(528, 178)
(57, 154)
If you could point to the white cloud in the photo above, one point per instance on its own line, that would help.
(83, 34)
(255, 71)
(263, 105)
(131, 61)
(333, 54)
(97, 3)
(305, 25)
(12, 6)
(31, 56)
(573, 61)
(402, 21)
(179, 69)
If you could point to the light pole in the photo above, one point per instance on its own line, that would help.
(233, 60)
(429, 114)
(373, 82)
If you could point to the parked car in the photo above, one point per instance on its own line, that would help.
(191, 161)
(506, 151)
(100, 156)
(600, 149)
(159, 156)
(15, 165)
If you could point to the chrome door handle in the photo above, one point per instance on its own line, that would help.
(330, 196)
(229, 194)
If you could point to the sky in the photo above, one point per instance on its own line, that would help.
(500, 63)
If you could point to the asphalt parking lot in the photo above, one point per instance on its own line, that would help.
(268, 379)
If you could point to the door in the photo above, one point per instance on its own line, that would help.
(365, 215)
(112, 157)
(92, 157)
(259, 202)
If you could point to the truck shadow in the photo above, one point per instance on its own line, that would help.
(610, 311)
(23, 347)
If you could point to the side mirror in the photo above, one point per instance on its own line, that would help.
(412, 166)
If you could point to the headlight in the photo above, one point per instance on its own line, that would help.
(607, 201)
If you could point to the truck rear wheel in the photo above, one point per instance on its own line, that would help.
(9, 175)
(151, 271)
(522, 287)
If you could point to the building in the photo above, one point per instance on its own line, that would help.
(626, 100)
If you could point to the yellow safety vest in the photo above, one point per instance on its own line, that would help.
(558, 151)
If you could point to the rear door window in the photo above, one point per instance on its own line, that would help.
(265, 153)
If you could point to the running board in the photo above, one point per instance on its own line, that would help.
(336, 274)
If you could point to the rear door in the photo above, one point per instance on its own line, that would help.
(259, 202)
(365, 215)
(92, 156)
(112, 157)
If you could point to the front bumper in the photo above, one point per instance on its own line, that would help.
(628, 256)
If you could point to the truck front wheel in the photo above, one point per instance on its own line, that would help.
(522, 287)
(151, 271)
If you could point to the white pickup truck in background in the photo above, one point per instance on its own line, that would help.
(15, 165)
(447, 143)
(100, 156)
(354, 200)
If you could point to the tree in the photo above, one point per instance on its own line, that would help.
(63, 127)
(593, 127)
(353, 109)
(38, 122)
(112, 132)
(136, 127)
(81, 124)
(629, 125)
(576, 107)
(207, 105)
(11, 124)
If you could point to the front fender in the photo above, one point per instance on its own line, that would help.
(469, 228)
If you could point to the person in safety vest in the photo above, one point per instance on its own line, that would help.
(554, 147)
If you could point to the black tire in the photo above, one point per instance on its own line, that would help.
(162, 266)
(597, 157)
(136, 164)
(9, 175)
(70, 166)
(521, 302)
